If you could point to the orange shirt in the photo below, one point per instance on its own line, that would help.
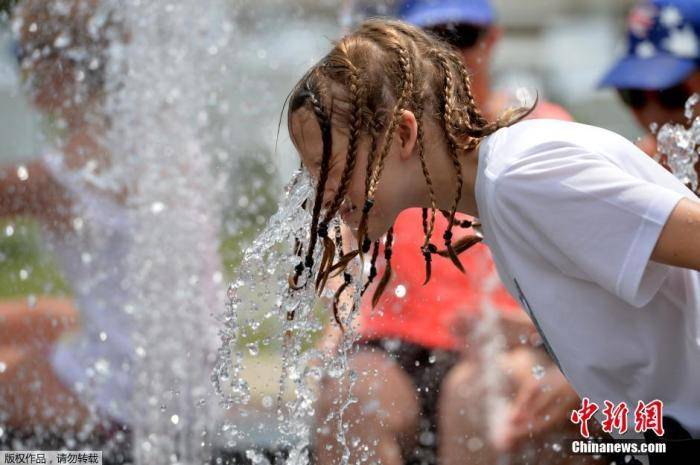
(424, 314)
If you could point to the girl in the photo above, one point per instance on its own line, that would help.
(413, 323)
(595, 241)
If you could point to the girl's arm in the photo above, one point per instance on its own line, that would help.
(31, 190)
(679, 242)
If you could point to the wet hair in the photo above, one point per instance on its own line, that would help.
(362, 86)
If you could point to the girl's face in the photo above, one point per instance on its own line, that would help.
(389, 198)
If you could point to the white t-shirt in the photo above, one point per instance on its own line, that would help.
(571, 214)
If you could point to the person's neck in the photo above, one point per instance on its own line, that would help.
(444, 182)
(470, 168)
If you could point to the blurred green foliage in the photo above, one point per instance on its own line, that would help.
(252, 200)
(24, 267)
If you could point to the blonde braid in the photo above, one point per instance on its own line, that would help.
(453, 143)
(406, 91)
(355, 123)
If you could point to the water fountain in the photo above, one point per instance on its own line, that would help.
(169, 69)
(677, 145)
(163, 66)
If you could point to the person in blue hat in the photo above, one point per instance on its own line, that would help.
(659, 70)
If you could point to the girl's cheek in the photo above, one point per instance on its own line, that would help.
(357, 196)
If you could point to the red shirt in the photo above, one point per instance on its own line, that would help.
(424, 314)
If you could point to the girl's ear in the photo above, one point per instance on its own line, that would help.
(407, 132)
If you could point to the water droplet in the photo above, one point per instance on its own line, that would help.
(102, 366)
(62, 41)
(23, 274)
(157, 207)
(253, 349)
(9, 230)
(86, 258)
(538, 371)
(3, 367)
(175, 419)
(474, 444)
(33, 27)
(22, 173)
(400, 291)
(426, 438)
(556, 447)
(432, 359)
(31, 301)
(103, 336)
(690, 106)
(335, 370)
(141, 352)
(267, 402)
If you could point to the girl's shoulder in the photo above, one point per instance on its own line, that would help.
(548, 142)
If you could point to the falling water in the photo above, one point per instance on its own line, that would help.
(261, 288)
(161, 86)
(678, 145)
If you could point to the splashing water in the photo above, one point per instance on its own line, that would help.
(677, 148)
(262, 278)
(262, 283)
(159, 82)
(677, 145)
(163, 70)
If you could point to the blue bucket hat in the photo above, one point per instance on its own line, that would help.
(428, 13)
(663, 46)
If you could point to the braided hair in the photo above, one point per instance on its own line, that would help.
(369, 78)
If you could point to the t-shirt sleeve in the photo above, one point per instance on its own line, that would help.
(588, 217)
